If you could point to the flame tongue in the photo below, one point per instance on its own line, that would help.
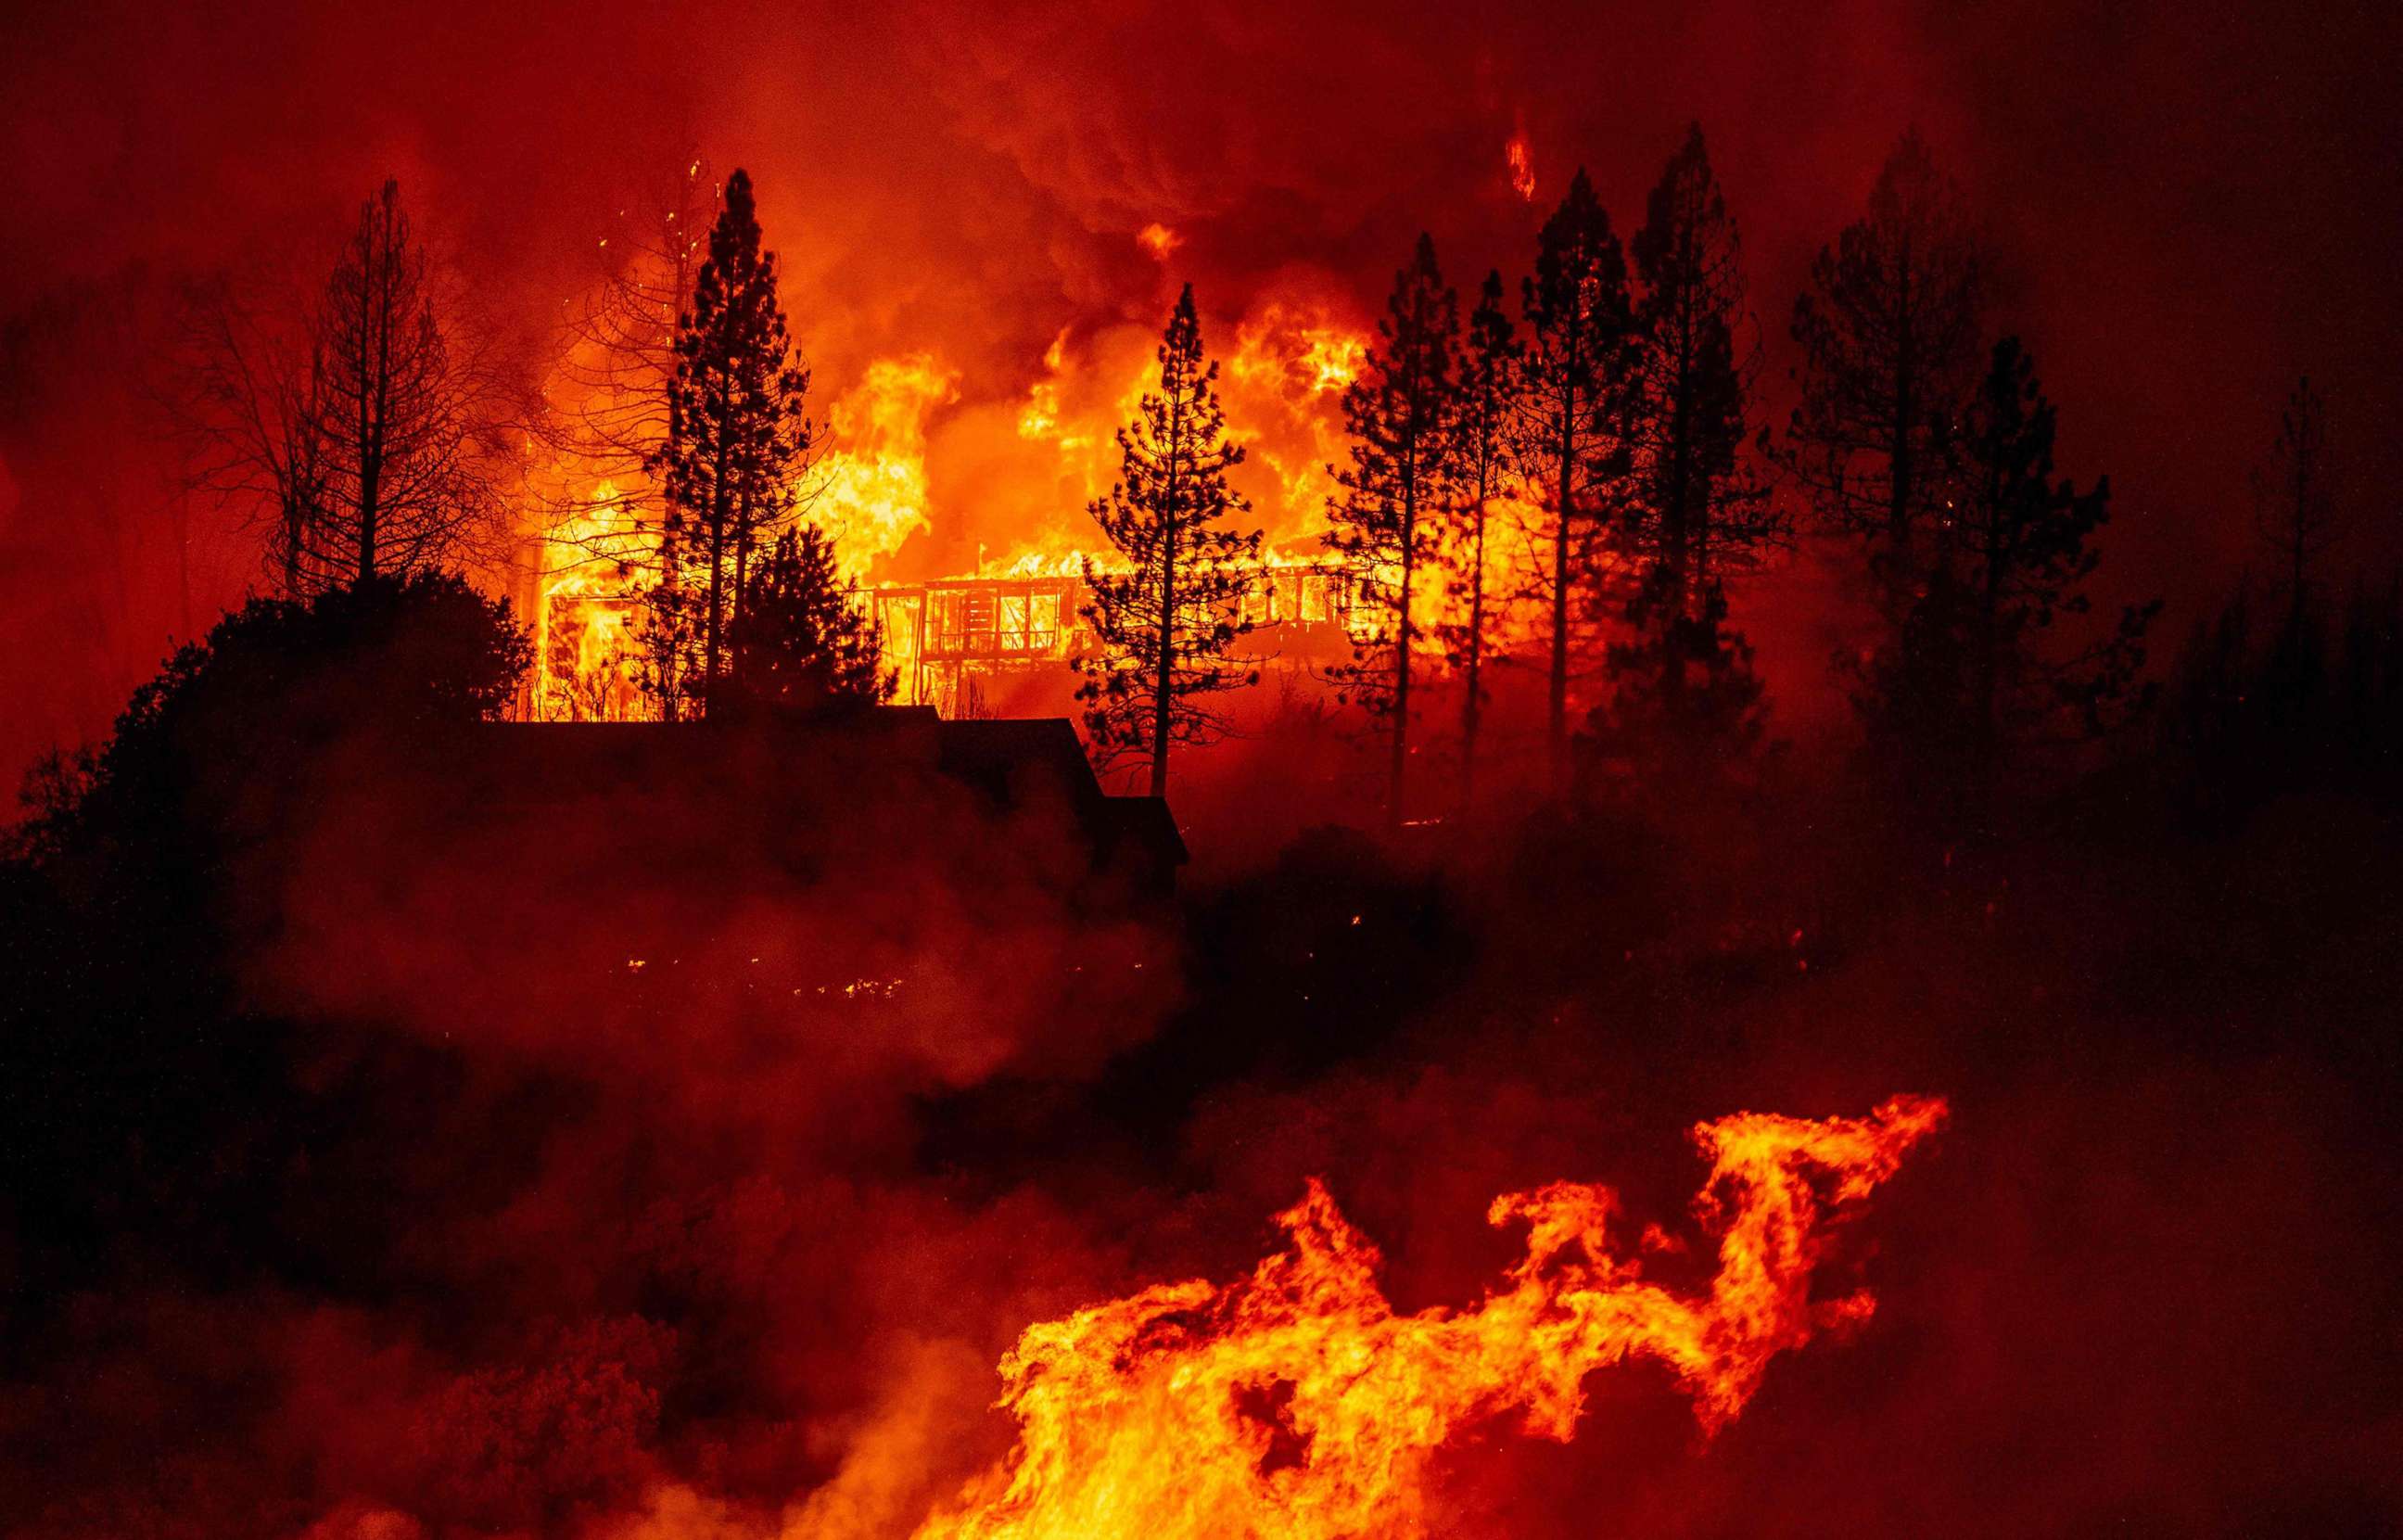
(1295, 1403)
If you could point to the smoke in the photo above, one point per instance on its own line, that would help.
(501, 1234)
(528, 1237)
(973, 187)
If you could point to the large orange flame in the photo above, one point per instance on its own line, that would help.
(1296, 1404)
(871, 490)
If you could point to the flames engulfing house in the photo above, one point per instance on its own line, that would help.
(952, 643)
(949, 640)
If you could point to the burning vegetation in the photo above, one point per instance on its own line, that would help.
(1299, 1403)
(849, 688)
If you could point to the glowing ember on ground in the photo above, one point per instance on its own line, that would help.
(1297, 1404)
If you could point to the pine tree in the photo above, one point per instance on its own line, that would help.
(1167, 620)
(417, 456)
(738, 437)
(1971, 678)
(2294, 497)
(1401, 410)
(371, 433)
(1889, 332)
(1694, 510)
(1573, 450)
(798, 644)
(1487, 398)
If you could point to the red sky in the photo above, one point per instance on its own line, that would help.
(2192, 203)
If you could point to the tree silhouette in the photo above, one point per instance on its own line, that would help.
(619, 348)
(737, 435)
(1488, 404)
(1573, 450)
(1402, 411)
(249, 401)
(798, 646)
(619, 359)
(411, 478)
(1889, 333)
(206, 751)
(1969, 678)
(2294, 497)
(375, 431)
(1166, 623)
(1694, 511)
(2244, 718)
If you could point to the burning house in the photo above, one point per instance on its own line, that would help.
(962, 645)
(957, 643)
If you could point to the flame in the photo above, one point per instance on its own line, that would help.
(870, 490)
(1294, 1403)
(1283, 382)
(1159, 239)
(1291, 359)
(1300, 350)
(1522, 167)
(1040, 419)
(583, 637)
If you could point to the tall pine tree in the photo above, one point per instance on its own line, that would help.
(1573, 452)
(1684, 695)
(1167, 620)
(375, 433)
(737, 435)
(1402, 411)
(1889, 332)
(2294, 497)
(1972, 678)
(413, 405)
(1488, 397)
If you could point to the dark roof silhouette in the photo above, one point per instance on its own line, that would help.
(825, 769)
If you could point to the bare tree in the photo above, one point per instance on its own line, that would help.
(620, 363)
(371, 433)
(413, 407)
(247, 398)
(606, 509)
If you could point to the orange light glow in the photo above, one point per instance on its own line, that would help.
(869, 492)
(1159, 239)
(1296, 1404)
(1522, 168)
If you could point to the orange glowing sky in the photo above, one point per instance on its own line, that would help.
(1010, 196)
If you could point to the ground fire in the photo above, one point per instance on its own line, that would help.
(1068, 771)
(1297, 1405)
